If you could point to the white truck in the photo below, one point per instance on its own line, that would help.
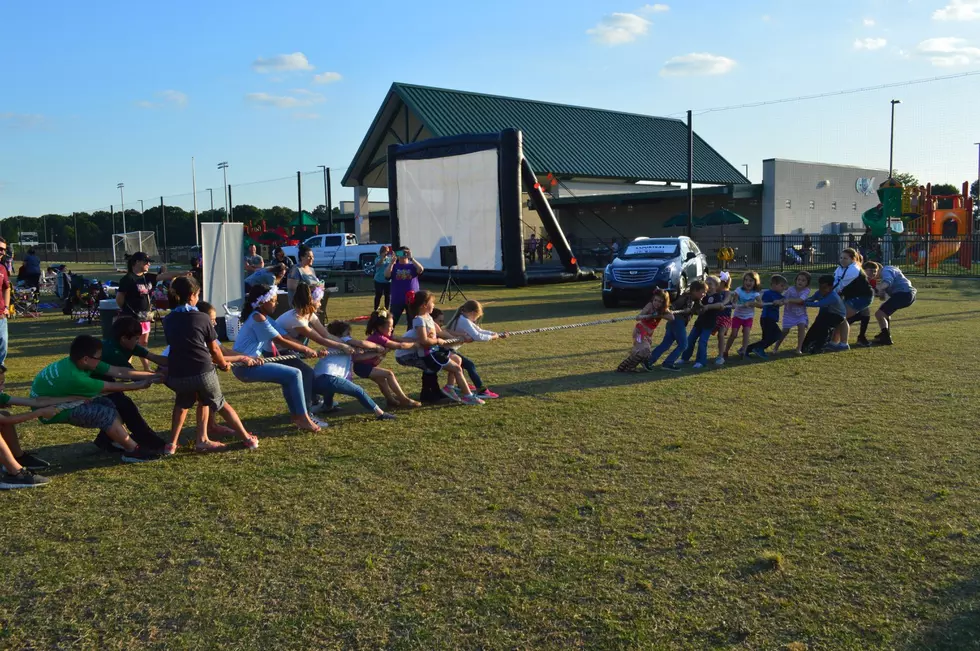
(337, 251)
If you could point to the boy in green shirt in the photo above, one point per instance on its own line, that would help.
(72, 376)
(19, 466)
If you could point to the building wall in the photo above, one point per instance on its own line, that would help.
(801, 197)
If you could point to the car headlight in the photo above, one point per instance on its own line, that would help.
(668, 269)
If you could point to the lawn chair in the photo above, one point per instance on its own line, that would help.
(26, 302)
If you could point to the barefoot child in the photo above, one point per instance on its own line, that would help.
(795, 314)
(194, 353)
(72, 376)
(658, 308)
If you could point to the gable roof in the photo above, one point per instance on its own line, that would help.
(568, 141)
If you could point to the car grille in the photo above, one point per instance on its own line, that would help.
(635, 276)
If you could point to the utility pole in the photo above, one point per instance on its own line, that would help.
(142, 216)
(74, 217)
(122, 206)
(690, 173)
(891, 142)
(163, 219)
(197, 242)
(223, 166)
(299, 192)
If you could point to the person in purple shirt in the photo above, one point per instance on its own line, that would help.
(403, 272)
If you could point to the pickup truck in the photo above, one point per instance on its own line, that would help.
(337, 251)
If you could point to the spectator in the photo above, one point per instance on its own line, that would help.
(32, 269)
(253, 261)
(302, 272)
(279, 256)
(271, 276)
(532, 247)
(4, 303)
(807, 249)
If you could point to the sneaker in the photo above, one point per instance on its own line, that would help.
(486, 394)
(761, 354)
(385, 416)
(252, 442)
(885, 341)
(670, 367)
(31, 462)
(471, 400)
(843, 346)
(319, 423)
(863, 342)
(880, 336)
(169, 450)
(648, 366)
(720, 361)
(23, 479)
(140, 455)
(698, 365)
(324, 408)
(450, 393)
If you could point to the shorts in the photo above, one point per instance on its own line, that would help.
(193, 389)
(97, 414)
(724, 322)
(897, 302)
(145, 327)
(859, 303)
(739, 322)
(413, 361)
(362, 370)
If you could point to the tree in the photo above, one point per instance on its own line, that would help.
(907, 179)
(945, 190)
(248, 214)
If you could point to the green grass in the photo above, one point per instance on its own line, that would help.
(822, 503)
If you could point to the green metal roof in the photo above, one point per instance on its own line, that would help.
(568, 141)
(735, 192)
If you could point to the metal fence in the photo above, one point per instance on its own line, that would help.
(172, 255)
(919, 255)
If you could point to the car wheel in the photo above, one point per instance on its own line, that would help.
(609, 299)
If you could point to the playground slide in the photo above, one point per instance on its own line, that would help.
(939, 252)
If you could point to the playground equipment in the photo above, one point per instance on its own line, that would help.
(946, 228)
(916, 211)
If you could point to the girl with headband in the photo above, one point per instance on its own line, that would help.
(258, 330)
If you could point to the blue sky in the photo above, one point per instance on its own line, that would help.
(100, 93)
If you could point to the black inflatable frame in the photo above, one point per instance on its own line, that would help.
(513, 171)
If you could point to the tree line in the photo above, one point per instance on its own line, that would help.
(94, 229)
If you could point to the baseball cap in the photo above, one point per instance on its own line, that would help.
(140, 256)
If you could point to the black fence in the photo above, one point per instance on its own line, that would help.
(172, 255)
(917, 255)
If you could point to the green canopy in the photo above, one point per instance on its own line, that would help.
(722, 217)
(677, 221)
(305, 219)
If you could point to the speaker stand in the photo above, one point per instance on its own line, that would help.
(452, 288)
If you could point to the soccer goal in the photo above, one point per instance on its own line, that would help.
(124, 244)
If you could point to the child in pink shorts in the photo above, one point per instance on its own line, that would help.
(746, 299)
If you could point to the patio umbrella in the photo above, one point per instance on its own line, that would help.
(677, 221)
(722, 217)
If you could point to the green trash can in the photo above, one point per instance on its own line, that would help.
(108, 310)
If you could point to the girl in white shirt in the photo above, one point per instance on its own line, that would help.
(466, 323)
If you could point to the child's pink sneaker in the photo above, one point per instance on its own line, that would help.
(486, 394)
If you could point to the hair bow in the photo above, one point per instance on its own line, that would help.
(318, 293)
(382, 313)
(265, 298)
(410, 296)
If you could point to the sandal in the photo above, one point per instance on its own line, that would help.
(169, 450)
(209, 446)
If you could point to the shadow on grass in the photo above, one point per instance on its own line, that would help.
(962, 630)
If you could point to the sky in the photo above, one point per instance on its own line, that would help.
(100, 93)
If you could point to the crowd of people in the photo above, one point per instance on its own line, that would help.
(842, 300)
(89, 387)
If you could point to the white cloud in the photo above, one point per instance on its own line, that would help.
(327, 78)
(870, 43)
(869, 22)
(282, 63)
(949, 51)
(655, 9)
(167, 98)
(299, 98)
(619, 29)
(959, 10)
(697, 64)
(22, 120)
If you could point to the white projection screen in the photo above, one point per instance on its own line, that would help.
(223, 263)
(454, 200)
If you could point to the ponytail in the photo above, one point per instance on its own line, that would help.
(468, 306)
(416, 301)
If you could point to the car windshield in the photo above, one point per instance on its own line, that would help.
(651, 250)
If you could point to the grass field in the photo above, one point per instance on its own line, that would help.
(817, 503)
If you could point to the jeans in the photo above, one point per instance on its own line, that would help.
(381, 289)
(470, 369)
(396, 314)
(289, 378)
(676, 331)
(701, 338)
(771, 333)
(3, 341)
(307, 372)
(130, 415)
(328, 385)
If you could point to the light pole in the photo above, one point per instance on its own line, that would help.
(211, 194)
(326, 197)
(223, 166)
(746, 166)
(978, 173)
(891, 145)
(142, 216)
(75, 219)
(122, 206)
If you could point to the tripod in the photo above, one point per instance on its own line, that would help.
(447, 293)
